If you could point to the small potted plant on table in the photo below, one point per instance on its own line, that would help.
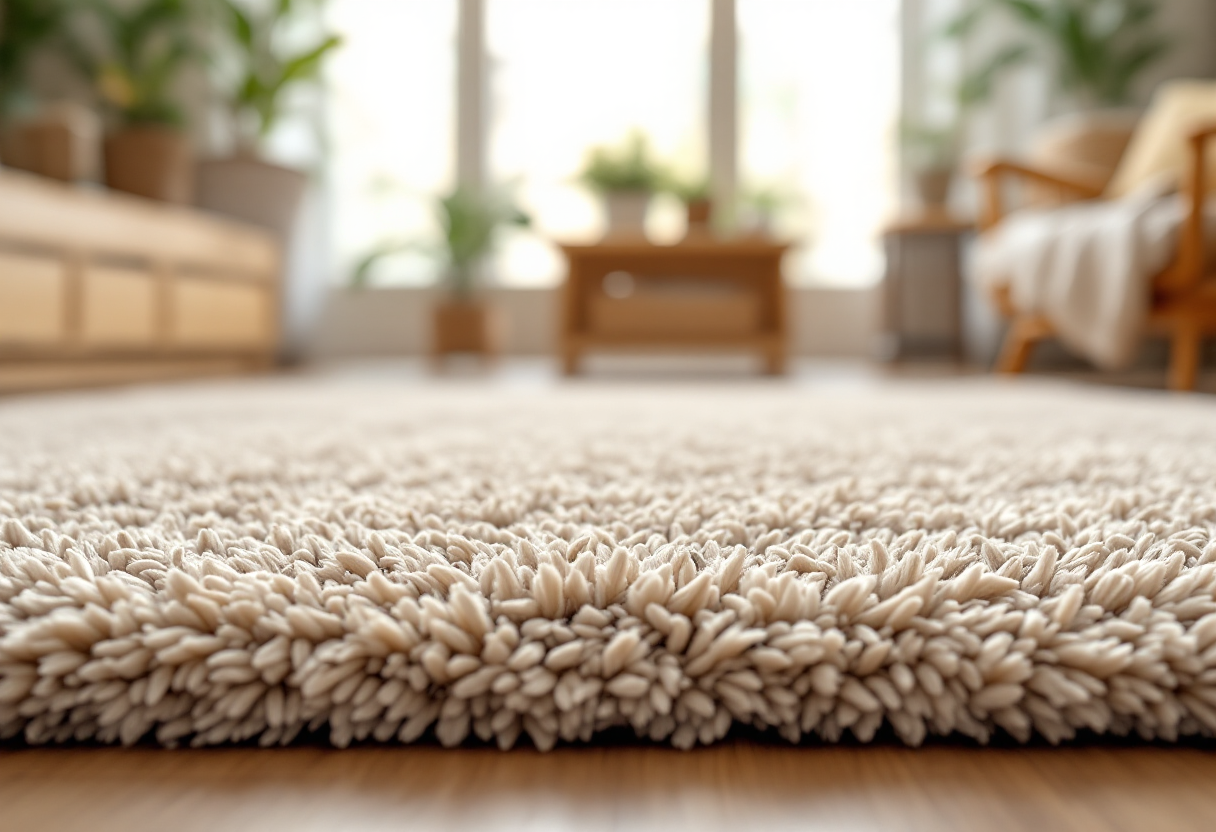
(761, 205)
(626, 177)
(695, 194)
(932, 152)
(463, 321)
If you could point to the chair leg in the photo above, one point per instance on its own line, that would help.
(1024, 332)
(570, 357)
(1184, 354)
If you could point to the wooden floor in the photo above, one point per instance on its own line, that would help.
(733, 786)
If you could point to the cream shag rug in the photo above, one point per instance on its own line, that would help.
(209, 564)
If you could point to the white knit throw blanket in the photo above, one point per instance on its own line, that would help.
(1088, 267)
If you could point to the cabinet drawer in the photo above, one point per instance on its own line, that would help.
(219, 315)
(674, 314)
(31, 300)
(119, 307)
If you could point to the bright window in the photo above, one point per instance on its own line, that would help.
(566, 75)
(818, 105)
(818, 85)
(392, 90)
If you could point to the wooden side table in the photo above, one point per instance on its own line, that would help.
(701, 294)
(922, 290)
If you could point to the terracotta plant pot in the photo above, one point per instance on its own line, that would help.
(151, 161)
(62, 142)
(627, 213)
(250, 190)
(933, 187)
(467, 326)
(700, 212)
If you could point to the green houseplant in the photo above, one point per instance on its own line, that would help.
(263, 68)
(761, 204)
(470, 221)
(1098, 48)
(134, 66)
(626, 177)
(266, 68)
(932, 151)
(59, 140)
(25, 27)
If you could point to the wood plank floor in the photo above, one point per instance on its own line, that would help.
(733, 786)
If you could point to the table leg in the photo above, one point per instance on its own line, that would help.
(774, 359)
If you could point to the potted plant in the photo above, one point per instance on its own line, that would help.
(245, 185)
(695, 194)
(25, 26)
(761, 204)
(470, 220)
(1097, 50)
(59, 140)
(626, 177)
(932, 153)
(134, 66)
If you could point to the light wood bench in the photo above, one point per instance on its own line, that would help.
(97, 287)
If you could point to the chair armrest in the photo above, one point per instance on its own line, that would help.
(1202, 135)
(991, 172)
(1188, 269)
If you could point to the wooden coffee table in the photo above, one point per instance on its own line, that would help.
(702, 294)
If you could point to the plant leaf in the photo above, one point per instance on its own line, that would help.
(305, 65)
(977, 86)
(242, 25)
(1029, 11)
(964, 23)
(361, 274)
(1138, 58)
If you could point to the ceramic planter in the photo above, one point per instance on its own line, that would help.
(151, 161)
(700, 213)
(62, 142)
(626, 212)
(933, 187)
(246, 188)
(466, 326)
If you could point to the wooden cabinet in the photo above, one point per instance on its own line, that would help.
(98, 287)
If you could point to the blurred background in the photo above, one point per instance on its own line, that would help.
(215, 185)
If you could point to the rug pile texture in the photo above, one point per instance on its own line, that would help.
(256, 561)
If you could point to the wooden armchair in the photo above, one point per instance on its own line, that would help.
(1184, 293)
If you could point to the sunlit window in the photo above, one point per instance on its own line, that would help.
(566, 75)
(392, 93)
(818, 89)
(819, 104)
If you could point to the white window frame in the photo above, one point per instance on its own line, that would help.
(472, 84)
(722, 127)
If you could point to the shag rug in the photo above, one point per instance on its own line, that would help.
(228, 562)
